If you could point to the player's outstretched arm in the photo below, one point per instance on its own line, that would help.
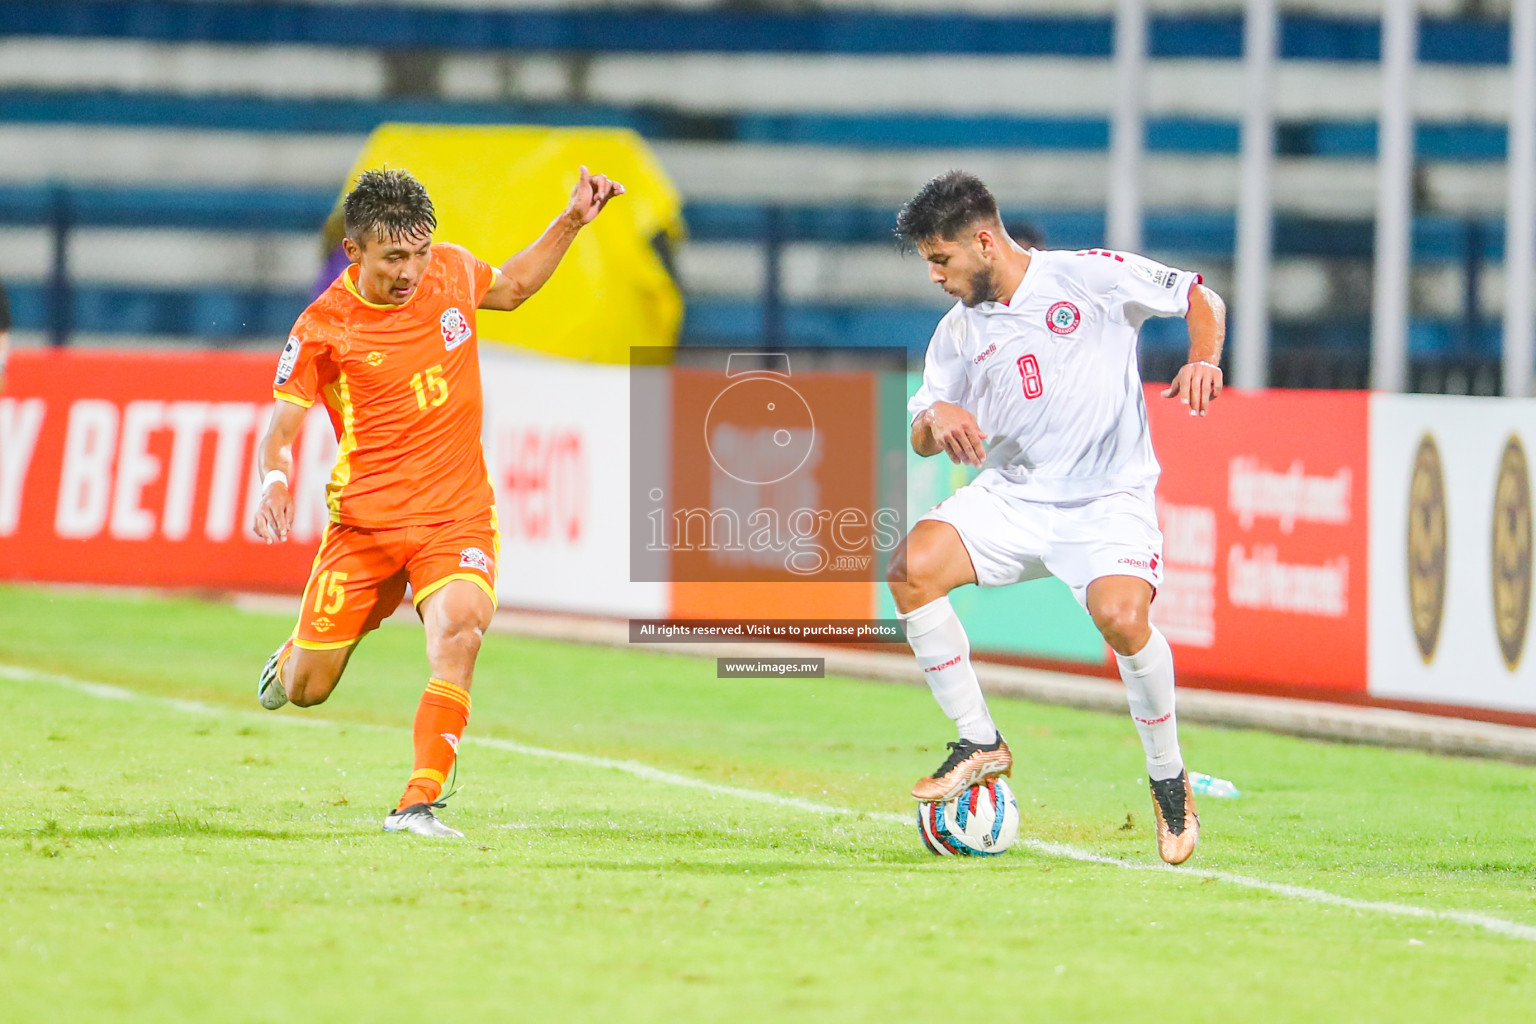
(1199, 381)
(525, 273)
(274, 516)
(946, 427)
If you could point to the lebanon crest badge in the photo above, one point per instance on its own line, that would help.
(1512, 552)
(456, 329)
(1063, 318)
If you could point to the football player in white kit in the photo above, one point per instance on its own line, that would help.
(1032, 377)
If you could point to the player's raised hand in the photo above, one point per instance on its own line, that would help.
(590, 195)
(274, 516)
(1197, 385)
(957, 433)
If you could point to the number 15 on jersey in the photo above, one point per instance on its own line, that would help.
(430, 387)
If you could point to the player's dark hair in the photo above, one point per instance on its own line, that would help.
(945, 207)
(389, 202)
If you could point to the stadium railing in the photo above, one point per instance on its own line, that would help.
(1323, 349)
(1447, 351)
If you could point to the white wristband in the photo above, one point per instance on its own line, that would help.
(273, 476)
(1204, 362)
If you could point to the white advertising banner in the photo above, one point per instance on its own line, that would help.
(1451, 551)
(557, 445)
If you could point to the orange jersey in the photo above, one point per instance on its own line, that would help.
(402, 386)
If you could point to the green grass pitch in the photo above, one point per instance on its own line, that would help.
(173, 853)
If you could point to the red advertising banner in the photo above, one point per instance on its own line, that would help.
(1264, 510)
(139, 469)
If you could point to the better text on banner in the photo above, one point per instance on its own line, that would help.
(139, 469)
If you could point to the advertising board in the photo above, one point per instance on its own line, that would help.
(557, 448)
(138, 469)
(1451, 551)
(1263, 504)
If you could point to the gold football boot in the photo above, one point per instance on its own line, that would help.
(1178, 826)
(967, 764)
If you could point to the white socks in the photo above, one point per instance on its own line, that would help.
(944, 654)
(1148, 677)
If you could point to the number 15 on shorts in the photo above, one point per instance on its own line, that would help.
(330, 595)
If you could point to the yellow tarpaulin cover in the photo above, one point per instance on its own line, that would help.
(495, 190)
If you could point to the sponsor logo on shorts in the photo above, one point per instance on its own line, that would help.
(1512, 552)
(1063, 318)
(455, 325)
(323, 625)
(948, 664)
(289, 359)
(474, 558)
(1426, 547)
(375, 358)
(983, 357)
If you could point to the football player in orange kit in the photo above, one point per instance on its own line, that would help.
(391, 350)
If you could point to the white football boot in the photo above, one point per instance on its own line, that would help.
(269, 688)
(418, 819)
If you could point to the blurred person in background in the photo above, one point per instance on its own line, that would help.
(391, 349)
(1032, 377)
(333, 252)
(1026, 234)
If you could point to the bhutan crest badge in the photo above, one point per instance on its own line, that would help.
(456, 329)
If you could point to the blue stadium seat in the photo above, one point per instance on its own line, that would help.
(727, 29)
(1433, 141)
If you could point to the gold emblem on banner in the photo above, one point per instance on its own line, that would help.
(1512, 552)
(1426, 547)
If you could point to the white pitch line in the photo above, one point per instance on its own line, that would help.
(1497, 925)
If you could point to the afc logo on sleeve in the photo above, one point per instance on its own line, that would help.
(1157, 275)
(455, 327)
(287, 360)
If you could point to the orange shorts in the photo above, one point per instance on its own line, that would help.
(360, 575)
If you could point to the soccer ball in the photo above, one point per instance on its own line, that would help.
(981, 822)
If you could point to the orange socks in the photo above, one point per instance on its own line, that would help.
(440, 721)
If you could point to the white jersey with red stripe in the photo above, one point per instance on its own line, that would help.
(1051, 375)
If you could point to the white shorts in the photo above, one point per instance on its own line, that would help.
(1010, 540)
